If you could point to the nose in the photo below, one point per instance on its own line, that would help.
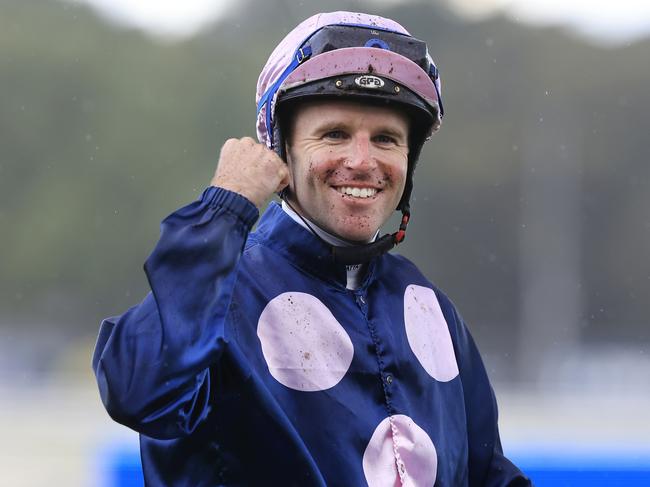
(361, 153)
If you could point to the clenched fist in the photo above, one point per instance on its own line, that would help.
(250, 169)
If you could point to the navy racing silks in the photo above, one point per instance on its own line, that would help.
(249, 363)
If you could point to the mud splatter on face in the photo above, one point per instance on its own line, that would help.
(322, 165)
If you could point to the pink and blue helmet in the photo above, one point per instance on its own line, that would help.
(347, 54)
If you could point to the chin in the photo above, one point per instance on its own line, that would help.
(356, 230)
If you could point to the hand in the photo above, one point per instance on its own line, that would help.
(250, 169)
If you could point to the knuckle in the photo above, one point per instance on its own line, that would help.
(228, 146)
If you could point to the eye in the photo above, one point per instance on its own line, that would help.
(335, 135)
(385, 139)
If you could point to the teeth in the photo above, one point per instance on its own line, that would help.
(357, 192)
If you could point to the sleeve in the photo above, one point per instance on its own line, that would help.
(487, 465)
(152, 363)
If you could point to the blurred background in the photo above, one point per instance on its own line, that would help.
(531, 207)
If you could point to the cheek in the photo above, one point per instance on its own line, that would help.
(301, 171)
(403, 171)
(321, 171)
(311, 174)
(396, 173)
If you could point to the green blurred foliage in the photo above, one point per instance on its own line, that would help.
(104, 131)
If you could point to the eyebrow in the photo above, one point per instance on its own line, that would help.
(330, 125)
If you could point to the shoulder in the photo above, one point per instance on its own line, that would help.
(414, 283)
(397, 266)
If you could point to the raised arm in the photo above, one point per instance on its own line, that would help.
(152, 363)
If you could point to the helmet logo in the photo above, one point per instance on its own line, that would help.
(369, 81)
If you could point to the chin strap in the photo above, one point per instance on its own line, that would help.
(362, 253)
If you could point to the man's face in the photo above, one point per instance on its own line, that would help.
(348, 164)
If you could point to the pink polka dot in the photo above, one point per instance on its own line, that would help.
(428, 334)
(304, 346)
(400, 453)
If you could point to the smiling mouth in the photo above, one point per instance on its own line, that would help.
(357, 192)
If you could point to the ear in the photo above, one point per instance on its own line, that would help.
(287, 151)
(289, 157)
(288, 191)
